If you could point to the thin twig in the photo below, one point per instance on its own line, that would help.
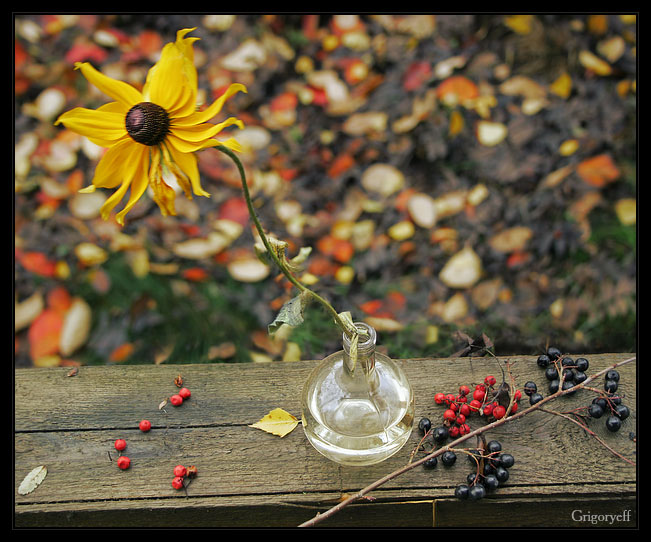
(590, 432)
(497, 423)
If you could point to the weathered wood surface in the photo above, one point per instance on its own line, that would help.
(249, 478)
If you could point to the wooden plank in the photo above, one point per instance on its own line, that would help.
(249, 477)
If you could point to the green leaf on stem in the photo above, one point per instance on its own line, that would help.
(291, 313)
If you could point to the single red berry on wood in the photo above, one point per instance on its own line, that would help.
(439, 398)
(490, 380)
(479, 395)
(180, 470)
(514, 408)
(120, 444)
(465, 410)
(462, 398)
(488, 409)
(177, 482)
(517, 395)
(454, 431)
(464, 429)
(450, 415)
(176, 400)
(145, 425)
(464, 390)
(454, 406)
(185, 393)
(124, 462)
(461, 419)
(449, 398)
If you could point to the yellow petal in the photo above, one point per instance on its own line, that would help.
(231, 143)
(108, 173)
(200, 117)
(201, 132)
(172, 81)
(100, 126)
(118, 90)
(138, 186)
(188, 164)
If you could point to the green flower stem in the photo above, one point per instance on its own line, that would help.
(272, 252)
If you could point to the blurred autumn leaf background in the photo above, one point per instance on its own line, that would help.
(471, 173)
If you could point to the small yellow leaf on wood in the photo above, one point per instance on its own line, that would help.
(277, 422)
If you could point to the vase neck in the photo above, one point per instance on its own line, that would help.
(365, 349)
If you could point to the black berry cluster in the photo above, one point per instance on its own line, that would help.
(491, 471)
(560, 368)
(610, 404)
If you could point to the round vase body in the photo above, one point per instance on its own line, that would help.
(358, 412)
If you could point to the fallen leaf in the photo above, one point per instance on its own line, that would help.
(491, 133)
(462, 270)
(277, 422)
(593, 63)
(562, 86)
(383, 179)
(27, 310)
(626, 210)
(44, 333)
(511, 239)
(456, 90)
(520, 24)
(32, 480)
(76, 326)
(598, 170)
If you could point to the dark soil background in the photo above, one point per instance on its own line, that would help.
(518, 134)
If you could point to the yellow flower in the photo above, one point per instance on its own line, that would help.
(153, 133)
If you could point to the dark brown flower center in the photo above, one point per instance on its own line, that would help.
(147, 123)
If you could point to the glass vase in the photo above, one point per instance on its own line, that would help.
(358, 412)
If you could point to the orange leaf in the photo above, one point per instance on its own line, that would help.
(235, 209)
(284, 102)
(457, 89)
(75, 181)
(598, 170)
(38, 263)
(122, 352)
(149, 42)
(418, 73)
(59, 300)
(371, 307)
(340, 249)
(196, 274)
(341, 164)
(44, 333)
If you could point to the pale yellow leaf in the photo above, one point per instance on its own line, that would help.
(32, 480)
(277, 422)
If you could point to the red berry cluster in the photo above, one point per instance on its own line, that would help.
(181, 473)
(481, 400)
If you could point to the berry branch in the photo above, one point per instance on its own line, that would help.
(455, 444)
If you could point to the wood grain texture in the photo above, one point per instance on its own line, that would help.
(250, 478)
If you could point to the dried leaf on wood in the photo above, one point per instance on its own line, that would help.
(33, 479)
(277, 422)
